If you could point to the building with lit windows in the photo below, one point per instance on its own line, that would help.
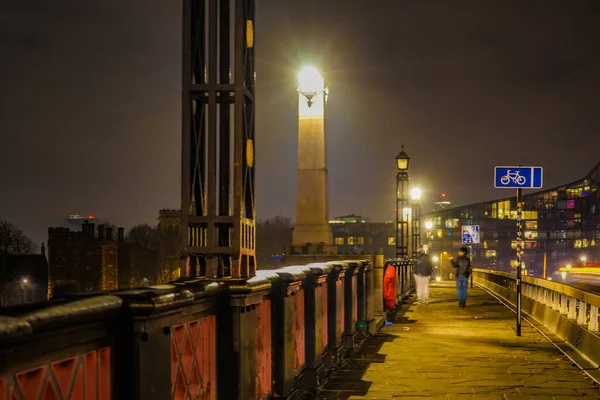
(82, 261)
(353, 235)
(561, 226)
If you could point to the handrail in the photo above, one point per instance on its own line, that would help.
(561, 288)
(576, 304)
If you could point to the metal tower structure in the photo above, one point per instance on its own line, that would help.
(218, 80)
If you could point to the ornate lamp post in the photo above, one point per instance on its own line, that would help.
(402, 162)
(415, 195)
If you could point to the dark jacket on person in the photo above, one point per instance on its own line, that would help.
(463, 266)
(424, 266)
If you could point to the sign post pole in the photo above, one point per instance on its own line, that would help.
(519, 177)
(519, 255)
(471, 260)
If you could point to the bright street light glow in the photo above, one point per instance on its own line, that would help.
(25, 280)
(406, 212)
(310, 81)
(435, 259)
(568, 266)
(563, 275)
(583, 258)
(415, 193)
(437, 278)
(428, 225)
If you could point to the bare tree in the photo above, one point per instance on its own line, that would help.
(144, 236)
(13, 241)
(168, 268)
(273, 236)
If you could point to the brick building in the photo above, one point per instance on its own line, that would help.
(170, 245)
(82, 261)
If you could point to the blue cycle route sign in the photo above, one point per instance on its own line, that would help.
(518, 177)
(470, 234)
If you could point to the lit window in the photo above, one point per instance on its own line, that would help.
(391, 241)
(339, 241)
(533, 225)
(531, 235)
(440, 233)
(490, 253)
(350, 240)
(361, 241)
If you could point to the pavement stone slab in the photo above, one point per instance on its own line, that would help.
(441, 351)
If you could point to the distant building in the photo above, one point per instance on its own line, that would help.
(24, 279)
(82, 261)
(170, 245)
(75, 222)
(353, 235)
(561, 226)
(442, 204)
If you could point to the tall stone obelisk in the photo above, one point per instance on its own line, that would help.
(312, 209)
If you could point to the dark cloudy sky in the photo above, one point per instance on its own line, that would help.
(90, 100)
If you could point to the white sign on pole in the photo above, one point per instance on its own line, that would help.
(470, 234)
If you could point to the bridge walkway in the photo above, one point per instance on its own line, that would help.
(440, 351)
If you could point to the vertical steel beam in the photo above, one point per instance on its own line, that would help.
(218, 224)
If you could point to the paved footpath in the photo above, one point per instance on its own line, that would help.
(439, 351)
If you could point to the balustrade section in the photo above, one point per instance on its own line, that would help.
(566, 311)
(277, 335)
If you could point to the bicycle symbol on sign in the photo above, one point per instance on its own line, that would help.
(516, 177)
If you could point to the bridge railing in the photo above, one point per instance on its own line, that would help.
(566, 311)
(277, 334)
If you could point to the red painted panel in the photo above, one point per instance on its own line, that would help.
(90, 371)
(340, 301)
(354, 300)
(64, 371)
(324, 319)
(30, 382)
(50, 391)
(77, 393)
(86, 376)
(193, 359)
(104, 373)
(263, 350)
(299, 352)
(3, 389)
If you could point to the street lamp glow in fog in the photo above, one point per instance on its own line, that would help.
(428, 225)
(310, 81)
(312, 92)
(415, 193)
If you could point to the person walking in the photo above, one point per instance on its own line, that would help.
(423, 273)
(463, 271)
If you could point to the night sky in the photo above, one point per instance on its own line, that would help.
(90, 104)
